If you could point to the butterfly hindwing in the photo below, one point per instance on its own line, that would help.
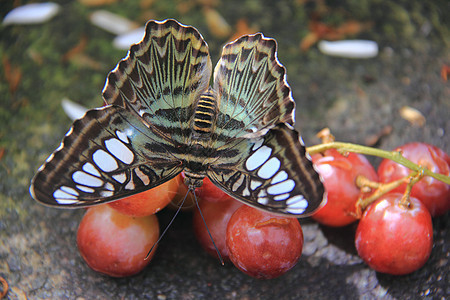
(272, 173)
(252, 91)
(106, 155)
(162, 77)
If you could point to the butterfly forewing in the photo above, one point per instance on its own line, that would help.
(106, 155)
(162, 77)
(251, 88)
(271, 173)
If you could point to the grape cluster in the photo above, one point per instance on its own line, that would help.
(394, 234)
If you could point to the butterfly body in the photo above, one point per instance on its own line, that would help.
(162, 118)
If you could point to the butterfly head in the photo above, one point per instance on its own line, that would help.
(193, 180)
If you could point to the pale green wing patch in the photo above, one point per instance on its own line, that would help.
(162, 77)
(252, 92)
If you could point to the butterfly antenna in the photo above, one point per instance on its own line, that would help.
(207, 229)
(167, 227)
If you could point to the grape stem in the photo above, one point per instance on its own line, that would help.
(405, 202)
(379, 190)
(395, 156)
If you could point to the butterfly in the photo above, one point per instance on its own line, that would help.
(162, 117)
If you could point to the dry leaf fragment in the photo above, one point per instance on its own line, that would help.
(319, 31)
(216, 23)
(412, 115)
(325, 135)
(242, 28)
(445, 71)
(374, 139)
(13, 74)
(96, 2)
(4, 284)
(75, 50)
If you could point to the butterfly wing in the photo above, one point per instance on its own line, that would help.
(106, 155)
(251, 87)
(271, 172)
(162, 76)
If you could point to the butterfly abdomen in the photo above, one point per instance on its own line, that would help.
(204, 115)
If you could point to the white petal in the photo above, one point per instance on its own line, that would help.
(124, 41)
(34, 13)
(349, 48)
(73, 110)
(111, 22)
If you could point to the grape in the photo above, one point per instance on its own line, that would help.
(339, 174)
(395, 239)
(148, 202)
(217, 215)
(116, 244)
(209, 192)
(433, 193)
(261, 244)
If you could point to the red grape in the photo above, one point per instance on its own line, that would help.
(394, 239)
(339, 174)
(209, 192)
(261, 244)
(217, 215)
(433, 193)
(148, 202)
(116, 244)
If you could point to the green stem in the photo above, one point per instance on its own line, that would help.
(392, 155)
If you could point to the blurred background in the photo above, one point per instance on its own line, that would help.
(69, 50)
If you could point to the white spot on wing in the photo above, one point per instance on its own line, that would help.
(262, 193)
(69, 190)
(105, 161)
(246, 192)
(85, 189)
(65, 201)
(106, 193)
(142, 112)
(269, 168)
(295, 211)
(258, 158)
(130, 185)
(254, 184)
(263, 200)
(142, 176)
(119, 150)
(122, 136)
(258, 143)
(84, 178)
(281, 197)
(60, 194)
(282, 187)
(297, 201)
(297, 204)
(121, 177)
(64, 198)
(237, 184)
(281, 176)
(109, 186)
(89, 168)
